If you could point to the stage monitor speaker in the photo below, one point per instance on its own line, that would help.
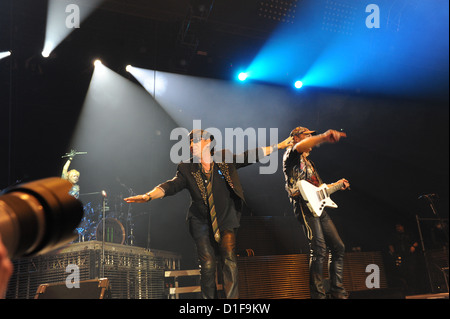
(88, 289)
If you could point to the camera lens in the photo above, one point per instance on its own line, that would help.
(38, 217)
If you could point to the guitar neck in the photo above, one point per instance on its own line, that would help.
(335, 187)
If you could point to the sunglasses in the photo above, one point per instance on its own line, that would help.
(196, 139)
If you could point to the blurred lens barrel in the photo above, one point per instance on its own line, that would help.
(38, 217)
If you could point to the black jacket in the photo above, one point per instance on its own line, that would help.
(188, 176)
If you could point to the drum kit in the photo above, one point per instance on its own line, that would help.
(118, 224)
(107, 221)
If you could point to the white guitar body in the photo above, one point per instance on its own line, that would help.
(317, 198)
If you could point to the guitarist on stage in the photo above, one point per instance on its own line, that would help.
(320, 231)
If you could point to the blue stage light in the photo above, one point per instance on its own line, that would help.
(242, 76)
(298, 84)
(334, 48)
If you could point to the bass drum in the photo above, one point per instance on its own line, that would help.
(87, 226)
(114, 231)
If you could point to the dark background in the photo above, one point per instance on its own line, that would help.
(396, 150)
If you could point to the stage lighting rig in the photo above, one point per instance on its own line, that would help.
(278, 10)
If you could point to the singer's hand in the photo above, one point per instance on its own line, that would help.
(137, 199)
(289, 142)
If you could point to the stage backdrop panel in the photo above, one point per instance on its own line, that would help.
(287, 276)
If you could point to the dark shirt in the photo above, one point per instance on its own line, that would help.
(227, 189)
(297, 167)
(227, 203)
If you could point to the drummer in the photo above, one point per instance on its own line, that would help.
(72, 176)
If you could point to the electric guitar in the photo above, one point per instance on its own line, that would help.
(317, 198)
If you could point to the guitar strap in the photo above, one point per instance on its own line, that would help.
(302, 205)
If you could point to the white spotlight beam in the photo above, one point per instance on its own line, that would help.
(63, 17)
(153, 82)
(5, 54)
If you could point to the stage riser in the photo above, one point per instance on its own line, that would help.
(133, 273)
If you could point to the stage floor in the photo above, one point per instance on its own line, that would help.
(443, 295)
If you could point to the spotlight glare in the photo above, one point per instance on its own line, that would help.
(45, 53)
(242, 76)
(64, 17)
(97, 62)
(129, 68)
(298, 84)
(5, 54)
(48, 48)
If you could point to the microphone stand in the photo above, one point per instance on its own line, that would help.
(129, 226)
(433, 208)
(425, 252)
(103, 234)
(148, 232)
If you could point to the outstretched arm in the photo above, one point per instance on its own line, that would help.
(330, 136)
(155, 193)
(167, 188)
(253, 155)
(280, 146)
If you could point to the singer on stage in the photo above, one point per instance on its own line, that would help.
(217, 200)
